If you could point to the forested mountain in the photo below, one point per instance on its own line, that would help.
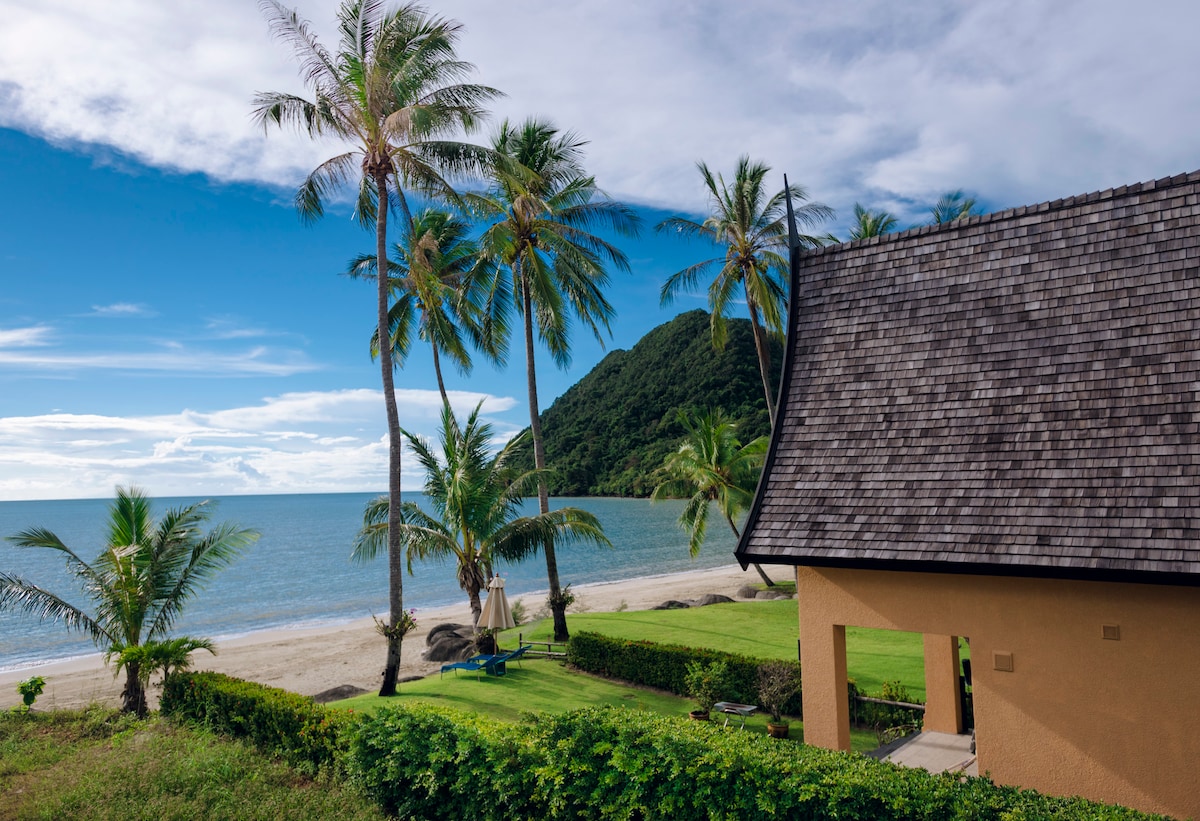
(609, 433)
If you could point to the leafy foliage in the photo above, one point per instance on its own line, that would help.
(610, 432)
(305, 734)
(665, 666)
(139, 583)
(431, 763)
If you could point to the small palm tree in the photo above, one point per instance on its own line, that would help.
(138, 584)
(712, 466)
(476, 500)
(435, 279)
(951, 206)
(871, 223)
(394, 91)
(541, 208)
(751, 227)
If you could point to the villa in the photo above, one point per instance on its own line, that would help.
(989, 429)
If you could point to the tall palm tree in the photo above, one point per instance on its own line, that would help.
(711, 466)
(871, 223)
(476, 499)
(139, 583)
(951, 206)
(435, 277)
(394, 90)
(752, 228)
(541, 208)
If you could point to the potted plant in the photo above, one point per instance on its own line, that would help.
(778, 682)
(705, 683)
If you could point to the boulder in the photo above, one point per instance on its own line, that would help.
(711, 598)
(671, 604)
(772, 594)
(747, 591)
(439, 629)
(338, 693)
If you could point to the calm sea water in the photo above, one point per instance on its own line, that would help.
(299, 574)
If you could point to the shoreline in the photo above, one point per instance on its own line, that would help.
(310, 660)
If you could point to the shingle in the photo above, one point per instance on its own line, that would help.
(1016, 390)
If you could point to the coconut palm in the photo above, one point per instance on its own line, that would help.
(476, 499)
(435, 277)
(138, 585)
(711, 466)
(394, 91)
(951, 206)
(540, 208)
(752, 229)
(871, 223)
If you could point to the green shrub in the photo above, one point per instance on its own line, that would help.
(305, 734)
(431, 763)
(664, 666)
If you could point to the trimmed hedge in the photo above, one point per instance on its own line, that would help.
(305, 734)
(664, 666)
(431, 763)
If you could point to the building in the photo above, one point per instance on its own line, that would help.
(990, 429)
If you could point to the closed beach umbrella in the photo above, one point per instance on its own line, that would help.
(496, 615)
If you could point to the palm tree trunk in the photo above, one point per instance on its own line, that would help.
(557, 608)
(762, 574)
(437, 369)
(133, 697)
(764, 358)
(391, 670)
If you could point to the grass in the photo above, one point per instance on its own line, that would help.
(761, 629)
(100, 765)
(541, 685)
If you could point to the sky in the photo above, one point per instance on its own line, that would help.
(167, 320)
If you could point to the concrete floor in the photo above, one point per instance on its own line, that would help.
(936, 752)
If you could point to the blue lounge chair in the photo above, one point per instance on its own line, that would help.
(486, 663)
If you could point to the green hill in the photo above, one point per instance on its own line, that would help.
(609, 432)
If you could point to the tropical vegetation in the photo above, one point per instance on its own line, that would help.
(951, 206)
(748, 226)
(434, 276)
(540, 210)
(609, 433)
(868, 223)
(138, 585)
(476, 499)
(394, 90)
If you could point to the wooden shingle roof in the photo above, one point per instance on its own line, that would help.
(1014, 394)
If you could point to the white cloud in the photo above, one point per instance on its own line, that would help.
(25, 337)
(1015, 100)
(301, 442)
(122, 309)
(260, 361)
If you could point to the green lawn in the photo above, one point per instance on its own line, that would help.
(762, 629)
(540, 685)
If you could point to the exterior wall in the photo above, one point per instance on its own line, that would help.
(1111, 720)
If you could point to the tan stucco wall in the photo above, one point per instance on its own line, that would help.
(1115, 721)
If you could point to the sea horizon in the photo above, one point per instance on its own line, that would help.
(300, 576)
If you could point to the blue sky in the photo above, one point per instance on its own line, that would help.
(165, 318)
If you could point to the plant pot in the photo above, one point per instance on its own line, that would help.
(777, 730)
(699, 715)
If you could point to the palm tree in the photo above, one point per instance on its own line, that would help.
(952, 206)
(434, 276)
(712, 466)
(871, 223)
(138, 584)
(393, 90)
(752, 228)
(541, 208)
(476, 501)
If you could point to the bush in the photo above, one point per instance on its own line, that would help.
(664, 666)
(431, 763)
(305, 734)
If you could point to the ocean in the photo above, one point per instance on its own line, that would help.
(299, 573)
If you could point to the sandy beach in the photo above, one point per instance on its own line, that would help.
(310, 661)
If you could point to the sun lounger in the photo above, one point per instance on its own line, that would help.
(492, 665)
